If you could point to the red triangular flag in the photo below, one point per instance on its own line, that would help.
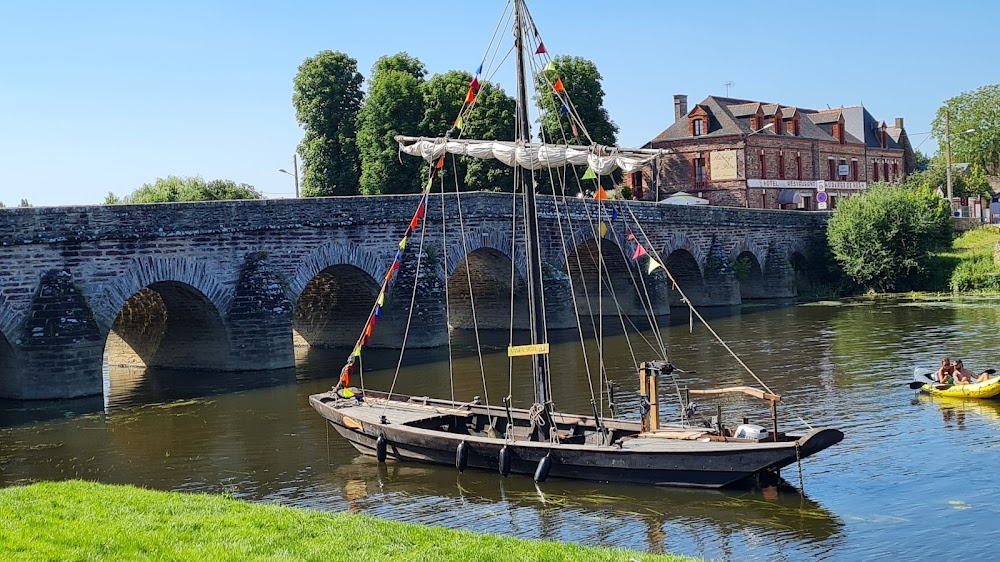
(420, 210)
(413, 224)
(474, 85)
(601, 194)
(470, 96)
(639, 252)
(395, 265)
(558, 87)
(540, 49)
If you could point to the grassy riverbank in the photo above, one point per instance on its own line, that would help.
(968, 265)
(87, 521)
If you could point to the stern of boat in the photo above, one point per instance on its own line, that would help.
(817, 440)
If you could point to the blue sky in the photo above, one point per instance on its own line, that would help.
(105, 96)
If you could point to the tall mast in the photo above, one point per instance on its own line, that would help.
(535, 298)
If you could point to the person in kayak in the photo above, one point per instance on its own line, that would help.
(946, 373)
(965, 376)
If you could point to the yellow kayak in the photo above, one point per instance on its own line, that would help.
(986, 389)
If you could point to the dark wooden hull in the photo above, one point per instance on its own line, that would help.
(650, 461)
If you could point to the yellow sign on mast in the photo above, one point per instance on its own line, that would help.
(530, 349)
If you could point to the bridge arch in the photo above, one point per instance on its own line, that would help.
(372, 263)
(604, 279)
(489, 273)
(10, 372)
(749, 276)
(333, 307)
(146, 271)
(169, 324)
(685, 262)
(498, 241)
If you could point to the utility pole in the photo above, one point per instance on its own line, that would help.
(295, 168)
(947, 142)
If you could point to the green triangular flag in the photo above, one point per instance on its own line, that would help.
(550, 66)
(589, 174)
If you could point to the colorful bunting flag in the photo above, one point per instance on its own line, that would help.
(540, 49)
(480, 69)
(601, 194)
(639, 252)
(395, 265)
(550, 66)
(440, 162)
(572, 126)
(388, 275)
(381, 298)
(402, 243)
(470, 96)
(398, 255)
(357, 351)
(474, 85)
(368, 328)
(602, 229)
(558, 87)
(628, 234)
(420, 208)
(614, 214)
(653, 264)
(564, 109)
(458, 122)
(589, 174)
(413, 225)
(378, 311)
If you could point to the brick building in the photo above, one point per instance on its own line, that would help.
(748, 153)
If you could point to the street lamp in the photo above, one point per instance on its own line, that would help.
(947, 142)
(746, 159)
(295, 166)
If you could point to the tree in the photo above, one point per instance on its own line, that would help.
(24, 203)
(964, 183)
(979, 110)
(883, 239)
(327, 97)
(394, 106)
(172, 189)
(491, 117)
(582, 83)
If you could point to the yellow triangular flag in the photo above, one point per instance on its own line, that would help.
(357, 351)
(402, 244)
(653, 264)
(458, 122)
(381, 299)
(602, 229)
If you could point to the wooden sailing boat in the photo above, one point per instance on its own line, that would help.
(539, 440)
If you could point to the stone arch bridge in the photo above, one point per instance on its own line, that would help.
(228, 286)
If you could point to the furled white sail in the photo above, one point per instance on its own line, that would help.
(602, 159)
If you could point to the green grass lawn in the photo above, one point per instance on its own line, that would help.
(968, 265)
(84, 521)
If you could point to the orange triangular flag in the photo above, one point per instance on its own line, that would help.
(470, 96)
(601, 194)
(440, 162)
(558, 87)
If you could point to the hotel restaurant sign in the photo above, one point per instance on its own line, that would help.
(808, 184)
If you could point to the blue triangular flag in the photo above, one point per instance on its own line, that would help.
(564, 110)
(398, 256)
(378, 311)
(614, 214)
(480, 69)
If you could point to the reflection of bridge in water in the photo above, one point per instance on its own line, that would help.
(231, 286)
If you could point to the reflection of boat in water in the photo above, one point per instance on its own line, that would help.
(960, 409)
(419, 493)
(538, 440)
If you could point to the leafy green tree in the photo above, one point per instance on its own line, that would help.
(883, 239)
(24, 203)
(491, 117)
(327, 99)
(979, 110)
(582, 83)
(964, 183)
(394, 106)
(172, 189)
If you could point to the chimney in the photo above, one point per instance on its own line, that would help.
(899, 122)
(680, 106)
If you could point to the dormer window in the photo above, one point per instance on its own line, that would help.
(698, 127)
(838, 131)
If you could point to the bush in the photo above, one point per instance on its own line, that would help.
(883, 239)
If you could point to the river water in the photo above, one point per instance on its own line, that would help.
(913, 479)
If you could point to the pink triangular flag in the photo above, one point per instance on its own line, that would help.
(639, 252)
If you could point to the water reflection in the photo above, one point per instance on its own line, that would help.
(841, 364)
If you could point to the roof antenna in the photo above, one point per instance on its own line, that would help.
(728, 85)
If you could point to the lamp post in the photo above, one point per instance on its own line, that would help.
(947, 142)
(295, 166)
(746, 159)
